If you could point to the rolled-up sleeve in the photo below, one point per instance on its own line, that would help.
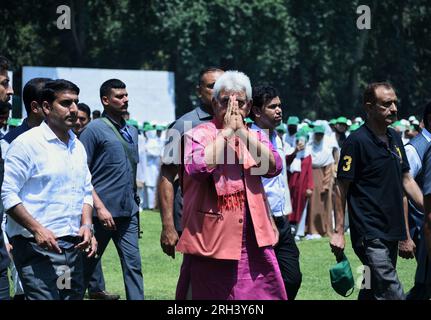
(18, 167)
(413, 159)
(278, 161)
(88, 197)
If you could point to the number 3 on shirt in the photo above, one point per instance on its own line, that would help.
(348, 162)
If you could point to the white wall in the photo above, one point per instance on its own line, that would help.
(151, 93)
(10, 74)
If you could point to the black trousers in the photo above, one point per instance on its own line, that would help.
(97, 280)
(287, 254)
(4, 285)
(422, 287)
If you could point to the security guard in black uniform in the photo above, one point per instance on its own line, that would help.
(373, 172)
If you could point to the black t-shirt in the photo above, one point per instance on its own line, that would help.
(376, 191)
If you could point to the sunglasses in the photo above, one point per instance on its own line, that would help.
(225, 101)
(210, 85)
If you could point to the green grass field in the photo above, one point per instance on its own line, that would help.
(161, 272)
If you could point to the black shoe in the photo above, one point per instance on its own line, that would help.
(103, 295)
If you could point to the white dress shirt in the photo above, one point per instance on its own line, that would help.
(51, 179)
(413, 157)
(276, 188)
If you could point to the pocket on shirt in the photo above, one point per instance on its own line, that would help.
(211, 214)
(114, 152)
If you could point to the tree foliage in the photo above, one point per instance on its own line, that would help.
(311, 51)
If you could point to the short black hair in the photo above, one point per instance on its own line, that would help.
(262, 94)
(96, 114)
(105, 88)
(85, 108)
(4, 64)
(370, 91)
(32, 91)
(5, 107)
(427, 112)
(54, 86)
(207, 70)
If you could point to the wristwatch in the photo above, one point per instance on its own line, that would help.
(89, 226)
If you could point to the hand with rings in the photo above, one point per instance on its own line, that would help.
(105, 218)
(91, 250)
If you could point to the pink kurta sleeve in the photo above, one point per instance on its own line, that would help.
(195, 142)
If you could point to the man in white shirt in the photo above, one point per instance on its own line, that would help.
(267, 115)
(47, 194)
(31, 96)
(6, 93)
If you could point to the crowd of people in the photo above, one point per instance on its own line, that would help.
(236, 188)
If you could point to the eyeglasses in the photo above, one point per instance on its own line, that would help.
(225, 101)
(210, 85)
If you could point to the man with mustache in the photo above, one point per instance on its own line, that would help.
(112, 149)
(96, 287)
(32, 98)
(6, 92)
(84, 118)
(47, 194)
(373, 174)
(169, 189)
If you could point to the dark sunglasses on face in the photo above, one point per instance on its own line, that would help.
(210, 85)
(224, 102)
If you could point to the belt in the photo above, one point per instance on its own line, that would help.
(280, 219)
(71, 239)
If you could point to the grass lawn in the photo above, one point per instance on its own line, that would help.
(161, 272)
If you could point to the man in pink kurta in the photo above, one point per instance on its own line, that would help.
(227, 234)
